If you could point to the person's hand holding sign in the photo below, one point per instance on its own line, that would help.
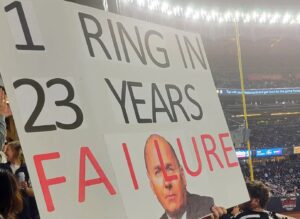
(3, 103)
(218, 212)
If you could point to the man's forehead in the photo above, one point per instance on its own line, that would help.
(153, 143)
(165, 150)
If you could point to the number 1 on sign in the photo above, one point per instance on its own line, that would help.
(29, 42)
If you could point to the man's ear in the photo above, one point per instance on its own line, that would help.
(182, 175)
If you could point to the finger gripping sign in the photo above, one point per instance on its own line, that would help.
(118, 118)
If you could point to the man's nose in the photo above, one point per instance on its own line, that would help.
(168, 184)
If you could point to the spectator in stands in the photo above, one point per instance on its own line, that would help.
(17, 166)
(3, 158)
(233, 212)
(10, 197)
(255, 208)
(3, 110)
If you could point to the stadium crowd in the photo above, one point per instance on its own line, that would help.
(282, 177)
(274, 136)
(236, 84)
(233, 82)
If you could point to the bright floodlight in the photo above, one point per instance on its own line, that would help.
(228, 16)
(141, 3)
(188, 12)
(164, 7)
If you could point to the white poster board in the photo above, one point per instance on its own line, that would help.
(87, 88)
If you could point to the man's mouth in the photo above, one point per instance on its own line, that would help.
(171, 197)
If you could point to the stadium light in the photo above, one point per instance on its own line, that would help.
(229, 16)
(285, 114)
(248, 115)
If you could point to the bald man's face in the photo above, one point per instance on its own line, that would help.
(171, 194)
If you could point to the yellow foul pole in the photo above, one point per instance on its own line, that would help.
(237, 36)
